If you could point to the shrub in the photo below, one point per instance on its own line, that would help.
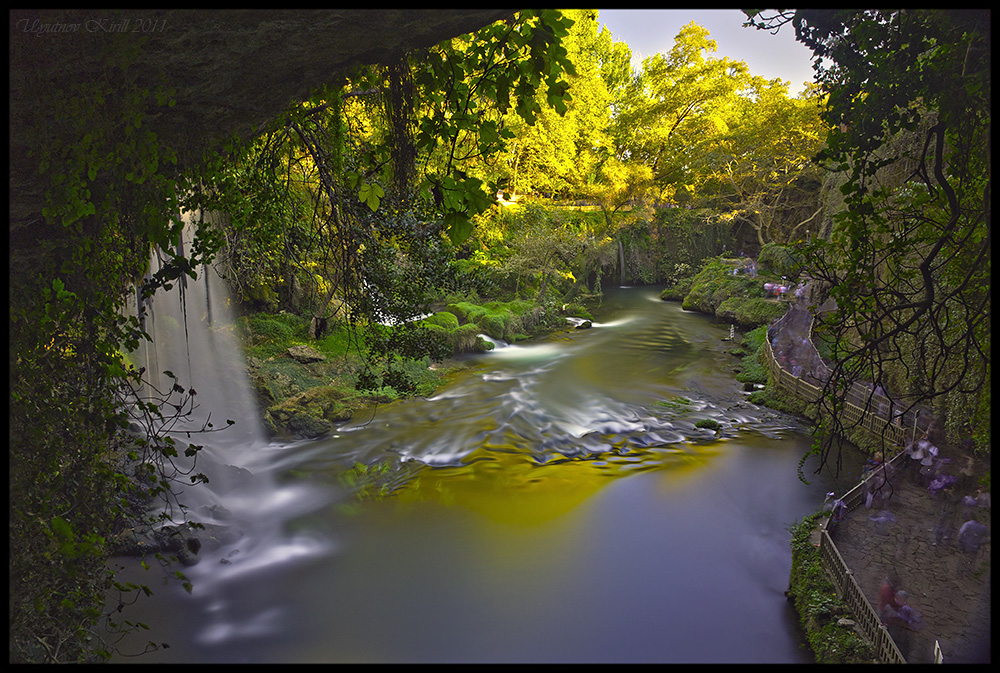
(816, 602)
(781, 260)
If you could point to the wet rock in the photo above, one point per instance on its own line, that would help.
(308, 427)
(217, 512)
(185, 541)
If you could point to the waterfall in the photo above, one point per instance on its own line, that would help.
(193, 337)
(621, 262)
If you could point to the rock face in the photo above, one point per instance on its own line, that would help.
(305, 354)
(233, 71)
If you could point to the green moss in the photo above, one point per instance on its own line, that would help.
(750, 312)
(674, 403)
(577, 311)
(752, 369)
(716, 283)
(773, 398)
(495, 324)
(461, 310)
(267, 334)
(445, 319)
(816, 602)
(508, 321)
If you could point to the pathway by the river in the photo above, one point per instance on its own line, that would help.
(912, 540)
(911, 536)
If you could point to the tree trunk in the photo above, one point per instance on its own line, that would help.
(318, 323)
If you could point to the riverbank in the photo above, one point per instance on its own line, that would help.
(304, 387)
(913, 536)
(733, 291)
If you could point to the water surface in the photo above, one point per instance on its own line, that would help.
(555, 503)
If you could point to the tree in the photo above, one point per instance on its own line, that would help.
(466, 87)
(908, 260)
(762, 167)
(556, 153)
(542, 250)
(387, 161)
(686, 97)
(617, 184)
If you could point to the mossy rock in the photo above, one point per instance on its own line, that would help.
(466, 339)
(750, 312)
(444, 319)
(308, 427)
(305, 354)
(495, 323)
(716, 283)
(313, 413)
(708, 424)
(461, 310)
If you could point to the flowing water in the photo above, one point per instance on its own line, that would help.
(555, 503)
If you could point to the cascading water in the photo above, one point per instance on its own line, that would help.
(192, 330)
(192, 326)
(621, 262)
(556, 502)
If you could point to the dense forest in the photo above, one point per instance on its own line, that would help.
(510, 173)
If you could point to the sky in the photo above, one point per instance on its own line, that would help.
(650, 31)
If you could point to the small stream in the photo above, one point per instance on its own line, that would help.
(555, 503)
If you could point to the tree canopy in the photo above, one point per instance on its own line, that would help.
(908, 262)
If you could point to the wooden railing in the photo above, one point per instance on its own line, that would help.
(865, 409)
(868, 620)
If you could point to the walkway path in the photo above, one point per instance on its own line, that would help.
(910, 535)
(912, 539)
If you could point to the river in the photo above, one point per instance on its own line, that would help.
(555, 503)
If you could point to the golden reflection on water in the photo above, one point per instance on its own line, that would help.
(512, 488)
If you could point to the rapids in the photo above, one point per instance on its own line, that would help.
(555, 503)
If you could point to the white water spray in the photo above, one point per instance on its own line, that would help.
(192, 326)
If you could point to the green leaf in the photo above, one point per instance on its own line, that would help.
(459, 227)
(61, 528)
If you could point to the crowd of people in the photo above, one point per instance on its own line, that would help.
(962, 526)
